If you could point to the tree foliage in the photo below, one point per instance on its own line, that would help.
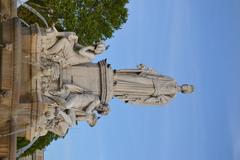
(40, 144)
(92, 20)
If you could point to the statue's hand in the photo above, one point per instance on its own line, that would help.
(92, 120)
(100, 48)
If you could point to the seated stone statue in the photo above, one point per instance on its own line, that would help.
(67, 51)
(74, 104)
(75, 98)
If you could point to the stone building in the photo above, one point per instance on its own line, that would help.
(16, 112)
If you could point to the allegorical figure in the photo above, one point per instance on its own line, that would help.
(144, 86)
(67, 51)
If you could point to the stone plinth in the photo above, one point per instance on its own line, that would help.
(20, 107)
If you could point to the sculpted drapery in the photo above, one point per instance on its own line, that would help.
(144, 86)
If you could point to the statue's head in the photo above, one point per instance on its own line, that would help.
(186, 88)
(103, 109)
(100, 48)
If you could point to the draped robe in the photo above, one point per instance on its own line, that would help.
(143, 87)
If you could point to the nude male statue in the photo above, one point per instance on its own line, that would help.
(78, 104)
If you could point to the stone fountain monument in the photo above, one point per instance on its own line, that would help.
(49, 82)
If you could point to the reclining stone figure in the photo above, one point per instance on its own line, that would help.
(66, 50)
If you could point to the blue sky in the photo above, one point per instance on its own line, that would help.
(193, 41)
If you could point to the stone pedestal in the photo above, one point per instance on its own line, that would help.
(20, 107)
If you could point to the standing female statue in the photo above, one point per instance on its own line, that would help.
(145, 86)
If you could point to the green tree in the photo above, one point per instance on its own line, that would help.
(40, 144)
(92, 20)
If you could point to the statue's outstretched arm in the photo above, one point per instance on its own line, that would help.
(78, 46)
(87, 52)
